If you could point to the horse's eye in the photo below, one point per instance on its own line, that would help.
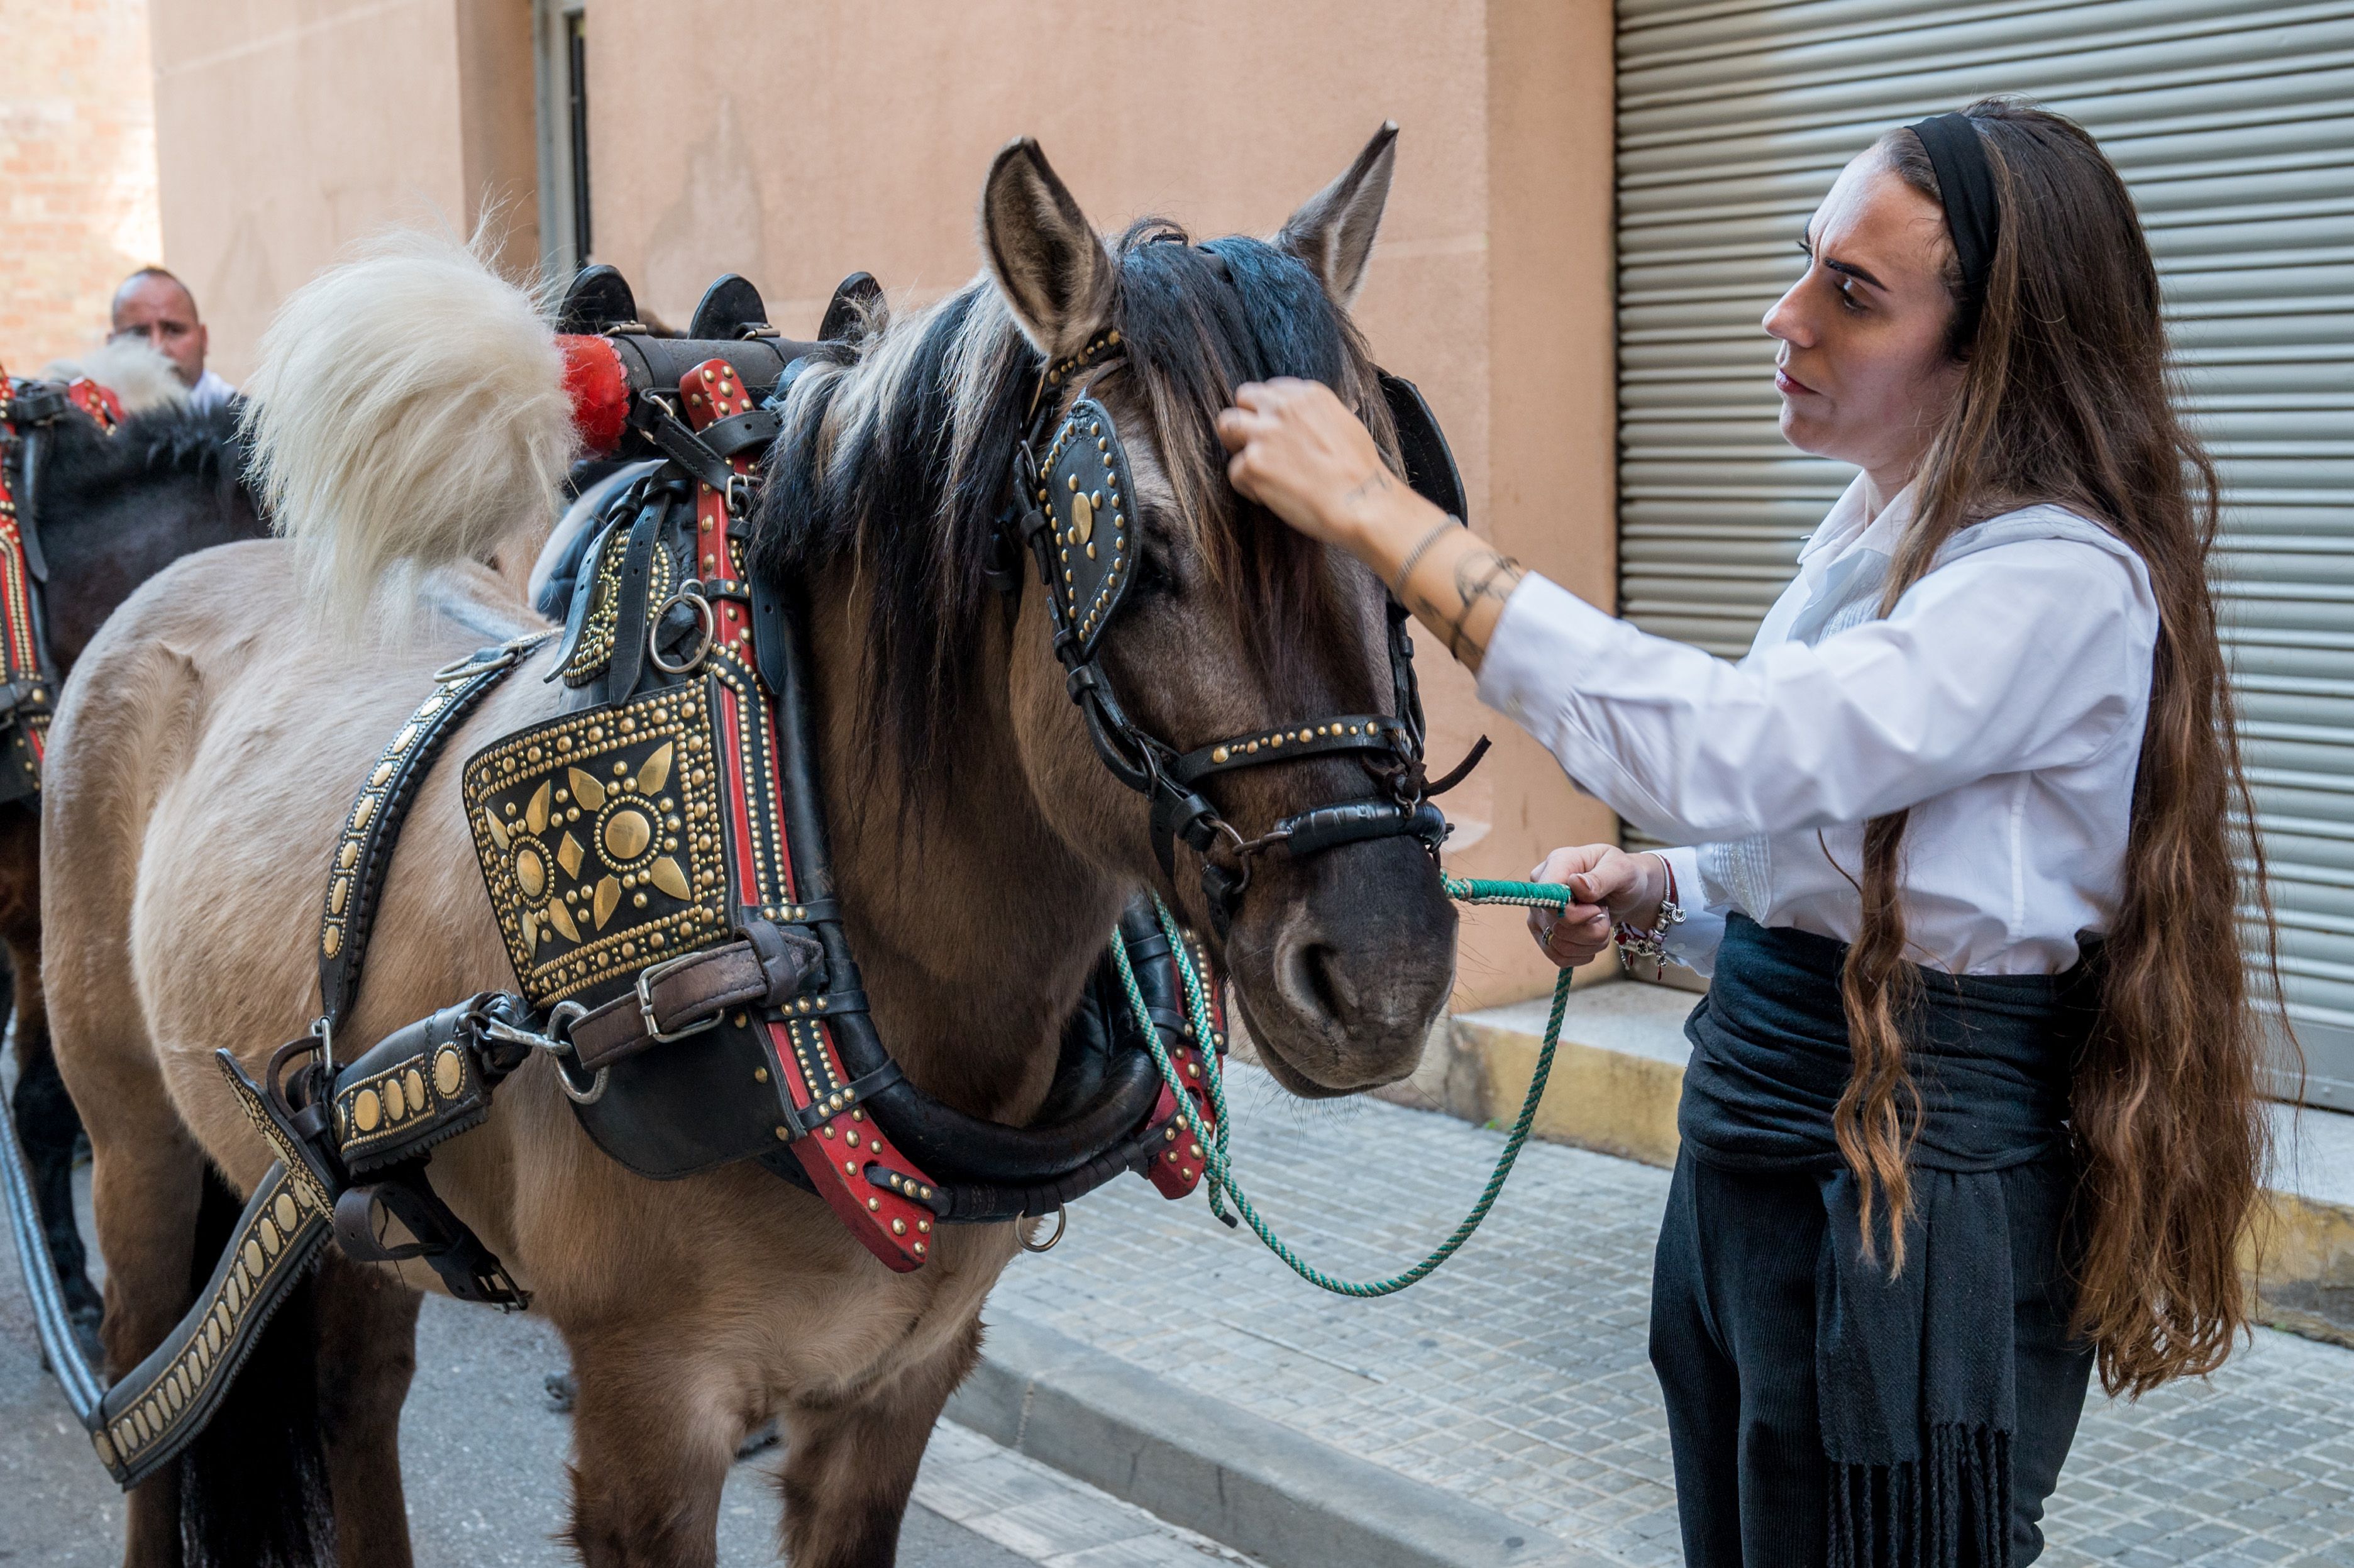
(1154, 579)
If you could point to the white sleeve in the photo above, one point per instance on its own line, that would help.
(2029, 655)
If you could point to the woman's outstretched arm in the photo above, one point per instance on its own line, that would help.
(2023, 656)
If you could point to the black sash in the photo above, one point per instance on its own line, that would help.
(1916, 1374)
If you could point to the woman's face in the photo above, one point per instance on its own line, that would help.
(1862, 370)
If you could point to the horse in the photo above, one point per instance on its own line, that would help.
(112, 510)
(410, 423)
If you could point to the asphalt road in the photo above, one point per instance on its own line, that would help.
(482, 1456)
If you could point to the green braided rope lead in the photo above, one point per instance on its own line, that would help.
(1216, 1167)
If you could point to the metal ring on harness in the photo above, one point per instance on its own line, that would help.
(560, 1020)
(689, 593)
(1061, 1223)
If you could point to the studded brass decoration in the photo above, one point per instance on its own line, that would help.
(390, 1113)
(1088, 496)
(145, 1417)
(599, 836)
(596, 649)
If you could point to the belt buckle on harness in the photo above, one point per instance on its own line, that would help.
(646, 979)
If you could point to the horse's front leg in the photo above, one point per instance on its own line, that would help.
(849, 1468)
(652, 1442)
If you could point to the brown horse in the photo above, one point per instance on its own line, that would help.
(112, 510)
(205, 756)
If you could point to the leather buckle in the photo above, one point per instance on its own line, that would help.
(646, 979)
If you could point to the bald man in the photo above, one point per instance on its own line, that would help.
(153, 304)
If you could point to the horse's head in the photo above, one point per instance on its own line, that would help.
(1222, 621)
(1234, 628)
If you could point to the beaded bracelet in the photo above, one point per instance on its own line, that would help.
(1652, 944)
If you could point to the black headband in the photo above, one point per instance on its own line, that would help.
(1973, 214)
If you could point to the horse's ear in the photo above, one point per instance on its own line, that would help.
(1053, 268)
(1333, 233)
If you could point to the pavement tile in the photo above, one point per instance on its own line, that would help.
(1518, 1376)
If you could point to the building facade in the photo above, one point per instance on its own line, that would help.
(1594, 206)
(77, 171)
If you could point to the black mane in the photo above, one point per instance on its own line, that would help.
(86, 470)
(896, 458)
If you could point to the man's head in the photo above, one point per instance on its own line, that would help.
(153, 304)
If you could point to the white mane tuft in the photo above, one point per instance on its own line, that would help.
(408, 414)
(131, 369)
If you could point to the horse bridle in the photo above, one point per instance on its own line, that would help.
(1074, 506)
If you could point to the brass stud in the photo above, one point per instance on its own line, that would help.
(784, 1133)
(759, 1074)
(873, 1204)
(1220, 754)
(925, 1226)
(898, 1227)
(919, 1249)
(850, 1167)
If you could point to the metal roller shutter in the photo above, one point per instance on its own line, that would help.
(2234, 124)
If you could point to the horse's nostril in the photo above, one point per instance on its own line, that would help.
(1327, 982)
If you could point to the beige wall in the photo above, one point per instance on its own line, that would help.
(826, 137)
(77, 171)
(286, 129)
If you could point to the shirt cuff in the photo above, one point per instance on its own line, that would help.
(1693, 942)
(1542, 624)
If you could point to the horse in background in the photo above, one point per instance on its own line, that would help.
(412, 422)
(112, 510)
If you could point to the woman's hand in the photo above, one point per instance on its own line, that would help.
(1304, 457)
(1611, 886)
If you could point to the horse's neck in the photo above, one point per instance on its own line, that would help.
(976, 925)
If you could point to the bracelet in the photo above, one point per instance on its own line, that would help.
(1652, 944)
(1414, 557)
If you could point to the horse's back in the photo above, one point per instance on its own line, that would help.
(205, 758)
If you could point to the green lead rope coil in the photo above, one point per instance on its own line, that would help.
(1218, 1170)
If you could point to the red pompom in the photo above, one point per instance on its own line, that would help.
(599, 390)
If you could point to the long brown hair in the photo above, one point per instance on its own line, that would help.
(2066, 397)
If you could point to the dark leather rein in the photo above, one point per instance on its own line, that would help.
(1067, 475)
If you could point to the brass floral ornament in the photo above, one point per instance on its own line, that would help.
(598, 838)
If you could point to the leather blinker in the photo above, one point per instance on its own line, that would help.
(1090, 504)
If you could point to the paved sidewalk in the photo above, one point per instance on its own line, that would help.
(1517, 1375)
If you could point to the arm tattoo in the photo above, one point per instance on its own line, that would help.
(1482, 574)
(1379, 480)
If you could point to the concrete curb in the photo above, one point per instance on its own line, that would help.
(1241, 1479)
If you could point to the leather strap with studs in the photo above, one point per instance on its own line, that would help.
(827, 1129)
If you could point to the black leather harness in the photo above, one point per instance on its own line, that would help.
(657, 861)
(29, 413)
(1074, 508)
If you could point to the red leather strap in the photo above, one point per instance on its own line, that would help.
(875, 1190)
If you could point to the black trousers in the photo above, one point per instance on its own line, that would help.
(1733, 1340)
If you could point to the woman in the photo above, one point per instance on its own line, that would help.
(1972, 1103)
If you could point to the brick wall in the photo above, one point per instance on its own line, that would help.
(77, 203)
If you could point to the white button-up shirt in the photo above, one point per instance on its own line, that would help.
(2002, 700)
(210, 392)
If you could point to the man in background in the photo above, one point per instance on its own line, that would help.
(153, 304)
